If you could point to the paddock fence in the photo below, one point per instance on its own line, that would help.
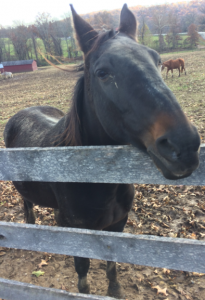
(107, 164)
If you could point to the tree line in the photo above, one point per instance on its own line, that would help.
(45, 38)
(166, 21)
(55, 39)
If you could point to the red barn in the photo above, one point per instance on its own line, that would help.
(20, 66)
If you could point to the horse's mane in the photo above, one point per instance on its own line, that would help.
(72, 134)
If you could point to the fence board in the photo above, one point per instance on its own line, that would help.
(15, 290)
(107, 164)
(171, 253)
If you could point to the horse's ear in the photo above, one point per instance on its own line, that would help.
(128, 23)
(85, 33)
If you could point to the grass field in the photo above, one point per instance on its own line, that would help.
(190, 89)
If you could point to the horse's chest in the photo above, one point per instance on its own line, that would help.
(93, 206)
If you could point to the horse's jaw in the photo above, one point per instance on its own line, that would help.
(170, 170)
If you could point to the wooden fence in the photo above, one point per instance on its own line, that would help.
(119, 164)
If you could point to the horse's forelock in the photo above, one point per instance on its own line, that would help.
(102, 38)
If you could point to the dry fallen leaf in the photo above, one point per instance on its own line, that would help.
(166, 198)
(42, 263)
(135, 208)
(164, 225)
(198, 274)
(166, 271)
(155, 205)
(188, 297)
(160, 290)
(154, 227)
(130, 222)
(185, 294)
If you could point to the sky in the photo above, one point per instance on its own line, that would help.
(25, 11)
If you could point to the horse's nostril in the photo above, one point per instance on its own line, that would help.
(168, 149)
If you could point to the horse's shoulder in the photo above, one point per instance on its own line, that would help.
(43, 110)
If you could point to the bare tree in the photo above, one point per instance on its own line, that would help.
(103, 21)
(56, 38)
(190, 17)
(160, 22)
(2, 44)
(32, 30)
(67, 33)
(43, 29)
(174, 29)
(193, 38)
(201, 19)
(19, 37)
(143, 29)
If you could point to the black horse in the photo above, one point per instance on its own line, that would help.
(120, 99)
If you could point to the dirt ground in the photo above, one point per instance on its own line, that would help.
(175, 211)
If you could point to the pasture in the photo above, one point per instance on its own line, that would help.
(159, 210)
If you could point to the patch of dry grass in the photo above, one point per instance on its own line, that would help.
(190, 89)
(47, 86)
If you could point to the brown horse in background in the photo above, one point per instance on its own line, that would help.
(174, 64)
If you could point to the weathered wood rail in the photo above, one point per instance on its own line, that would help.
(92, 164)
(106, 164)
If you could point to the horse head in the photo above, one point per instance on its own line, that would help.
(162, 66)
(128, 100)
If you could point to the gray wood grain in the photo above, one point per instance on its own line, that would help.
(170, 253)
(107, 164)
(15, 290)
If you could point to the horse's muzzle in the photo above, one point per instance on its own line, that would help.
(173, 162)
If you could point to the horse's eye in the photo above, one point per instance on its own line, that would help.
(102, 74)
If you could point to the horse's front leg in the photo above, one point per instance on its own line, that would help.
(82, 266)
(28, 212)
(65, 217)
(179, 71)
(114, 288)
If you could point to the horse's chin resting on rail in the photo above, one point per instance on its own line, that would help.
(120, 99)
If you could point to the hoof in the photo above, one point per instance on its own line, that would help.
(83, 286)
(30, 218)
(116, 291)
(85, 289)
(56, 215)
